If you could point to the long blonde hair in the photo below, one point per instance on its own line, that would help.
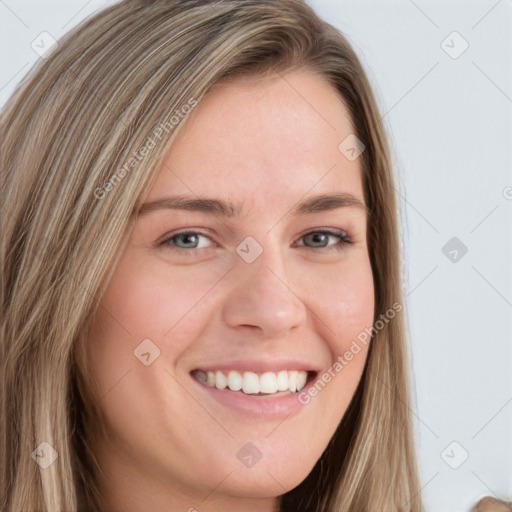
(70, 187)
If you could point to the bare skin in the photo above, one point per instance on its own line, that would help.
(175, 445)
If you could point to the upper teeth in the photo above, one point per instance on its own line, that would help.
(253, 383)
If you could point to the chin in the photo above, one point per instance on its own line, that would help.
(270, 476)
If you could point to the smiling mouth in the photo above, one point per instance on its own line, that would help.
(252, 383)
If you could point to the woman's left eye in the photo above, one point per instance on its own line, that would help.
(315, 240)
(320, 239)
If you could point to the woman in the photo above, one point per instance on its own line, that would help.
(202, 299)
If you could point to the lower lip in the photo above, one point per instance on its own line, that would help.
(271, 406)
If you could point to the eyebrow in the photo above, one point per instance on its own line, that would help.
(228, 209)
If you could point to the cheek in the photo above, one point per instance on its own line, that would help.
(151, 300)
(145, 301)
(343, 300)
(356, 303)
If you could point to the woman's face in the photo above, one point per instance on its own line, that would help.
(263, 284)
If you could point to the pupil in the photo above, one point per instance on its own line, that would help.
(319, 238)
(188, 239)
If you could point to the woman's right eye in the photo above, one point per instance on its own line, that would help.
(185, 240)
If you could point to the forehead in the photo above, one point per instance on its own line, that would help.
(265, 141)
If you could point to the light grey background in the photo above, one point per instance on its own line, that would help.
(449, 115)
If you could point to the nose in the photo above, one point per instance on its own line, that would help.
(262, 297)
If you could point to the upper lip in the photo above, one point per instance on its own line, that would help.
(259, 365)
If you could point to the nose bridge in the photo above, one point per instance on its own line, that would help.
(261, 295)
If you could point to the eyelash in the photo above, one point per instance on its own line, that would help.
(343, 240)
